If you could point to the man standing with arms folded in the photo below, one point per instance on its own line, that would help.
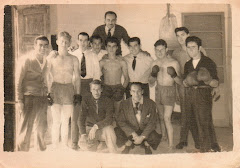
(111, 29)
(89, 66)
(166, 71)
(139, 66)
(65, 91)
(200, 76)
(32, 96)
(113, 68)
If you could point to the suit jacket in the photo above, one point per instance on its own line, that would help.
(120, 33)
(89, 116)
(127, 120)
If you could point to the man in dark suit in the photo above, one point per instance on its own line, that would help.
(137, 122)
(111, 29)
(96, 118)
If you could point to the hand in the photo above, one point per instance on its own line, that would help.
(53, 54)
(77, 99)
(20, 107)
(216, 94)
(191, 79)
(50, 100)
(172, 72)
(138, 140)
(105, 56)
(83, 138)
(204, 75)
(155, 70)
(92, 132)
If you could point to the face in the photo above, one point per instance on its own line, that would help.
(110, 20)
(160, 51)
(41, 47)
(193, 50)
(181, 37)
(63, 42)
(83, 41)
(96, 90)
(136, 92)
(134, 47)
(111, 48)
(96, 45)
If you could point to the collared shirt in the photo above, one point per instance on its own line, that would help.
(112, 30)
(100, 54)
(92, 63)
(138, 109)
(142, 69)
(31, 77)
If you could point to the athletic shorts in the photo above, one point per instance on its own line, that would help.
(114, 92)
(165, 95)
(62, 93)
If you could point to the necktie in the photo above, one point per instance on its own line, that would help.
(96, 101)
(134, 63)
(138, 113)
(83, 66)
(109, 33)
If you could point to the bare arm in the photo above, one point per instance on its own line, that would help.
(49, 76)
(77, 74)
(152, 79)
(125, 73)
(178, 78)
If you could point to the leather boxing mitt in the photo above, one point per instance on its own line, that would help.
(155, 70)
(50, 100)
(204, 75)
(191, 79)
(77, 99)
(171, 71)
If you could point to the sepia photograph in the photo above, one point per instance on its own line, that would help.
(104, 84)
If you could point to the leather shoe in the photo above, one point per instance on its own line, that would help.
(216, 147)
(181, 145)
(127, 149)
(197, 146)
(147, 150)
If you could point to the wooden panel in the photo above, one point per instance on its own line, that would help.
(203, 22)
(34, 24)
(216, 55)
(209, 40)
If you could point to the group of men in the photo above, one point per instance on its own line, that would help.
(86, 86)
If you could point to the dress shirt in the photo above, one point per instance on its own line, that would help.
(142, 69)
(138, 109)
(111, 31)
(100, 54)
(92, 63)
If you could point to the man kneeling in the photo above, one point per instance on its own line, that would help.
(137, 122)
(96, 118)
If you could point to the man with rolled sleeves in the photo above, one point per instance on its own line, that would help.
(139, 66)
(32, 96)
(200, 77)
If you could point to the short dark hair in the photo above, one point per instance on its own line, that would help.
(195, 39)
(41, 37)
(136, 83)
(112, 40)
(96, 82)
(64, 34)
(160, 42)
(96, 37)
(181, 29)
(134, 39)
(83, 34)
(111, 13)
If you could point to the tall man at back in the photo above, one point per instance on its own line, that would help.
(113, 68)
(139, 65)
(111, 29)
(64, 91)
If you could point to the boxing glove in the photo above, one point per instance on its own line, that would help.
(171, 71)
(204, 75)
(155, 70)
(77, 99)
(191, 79)
(50, 100)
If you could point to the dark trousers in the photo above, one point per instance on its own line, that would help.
(145, 90)
(85, 91)
(199, 104)
(153, 139)
(187, 118)
(33, 118)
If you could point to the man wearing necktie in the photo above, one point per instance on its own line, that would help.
(111, 29)
(96, 118)
(139, 65)
(90, 70)
(136, 122)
